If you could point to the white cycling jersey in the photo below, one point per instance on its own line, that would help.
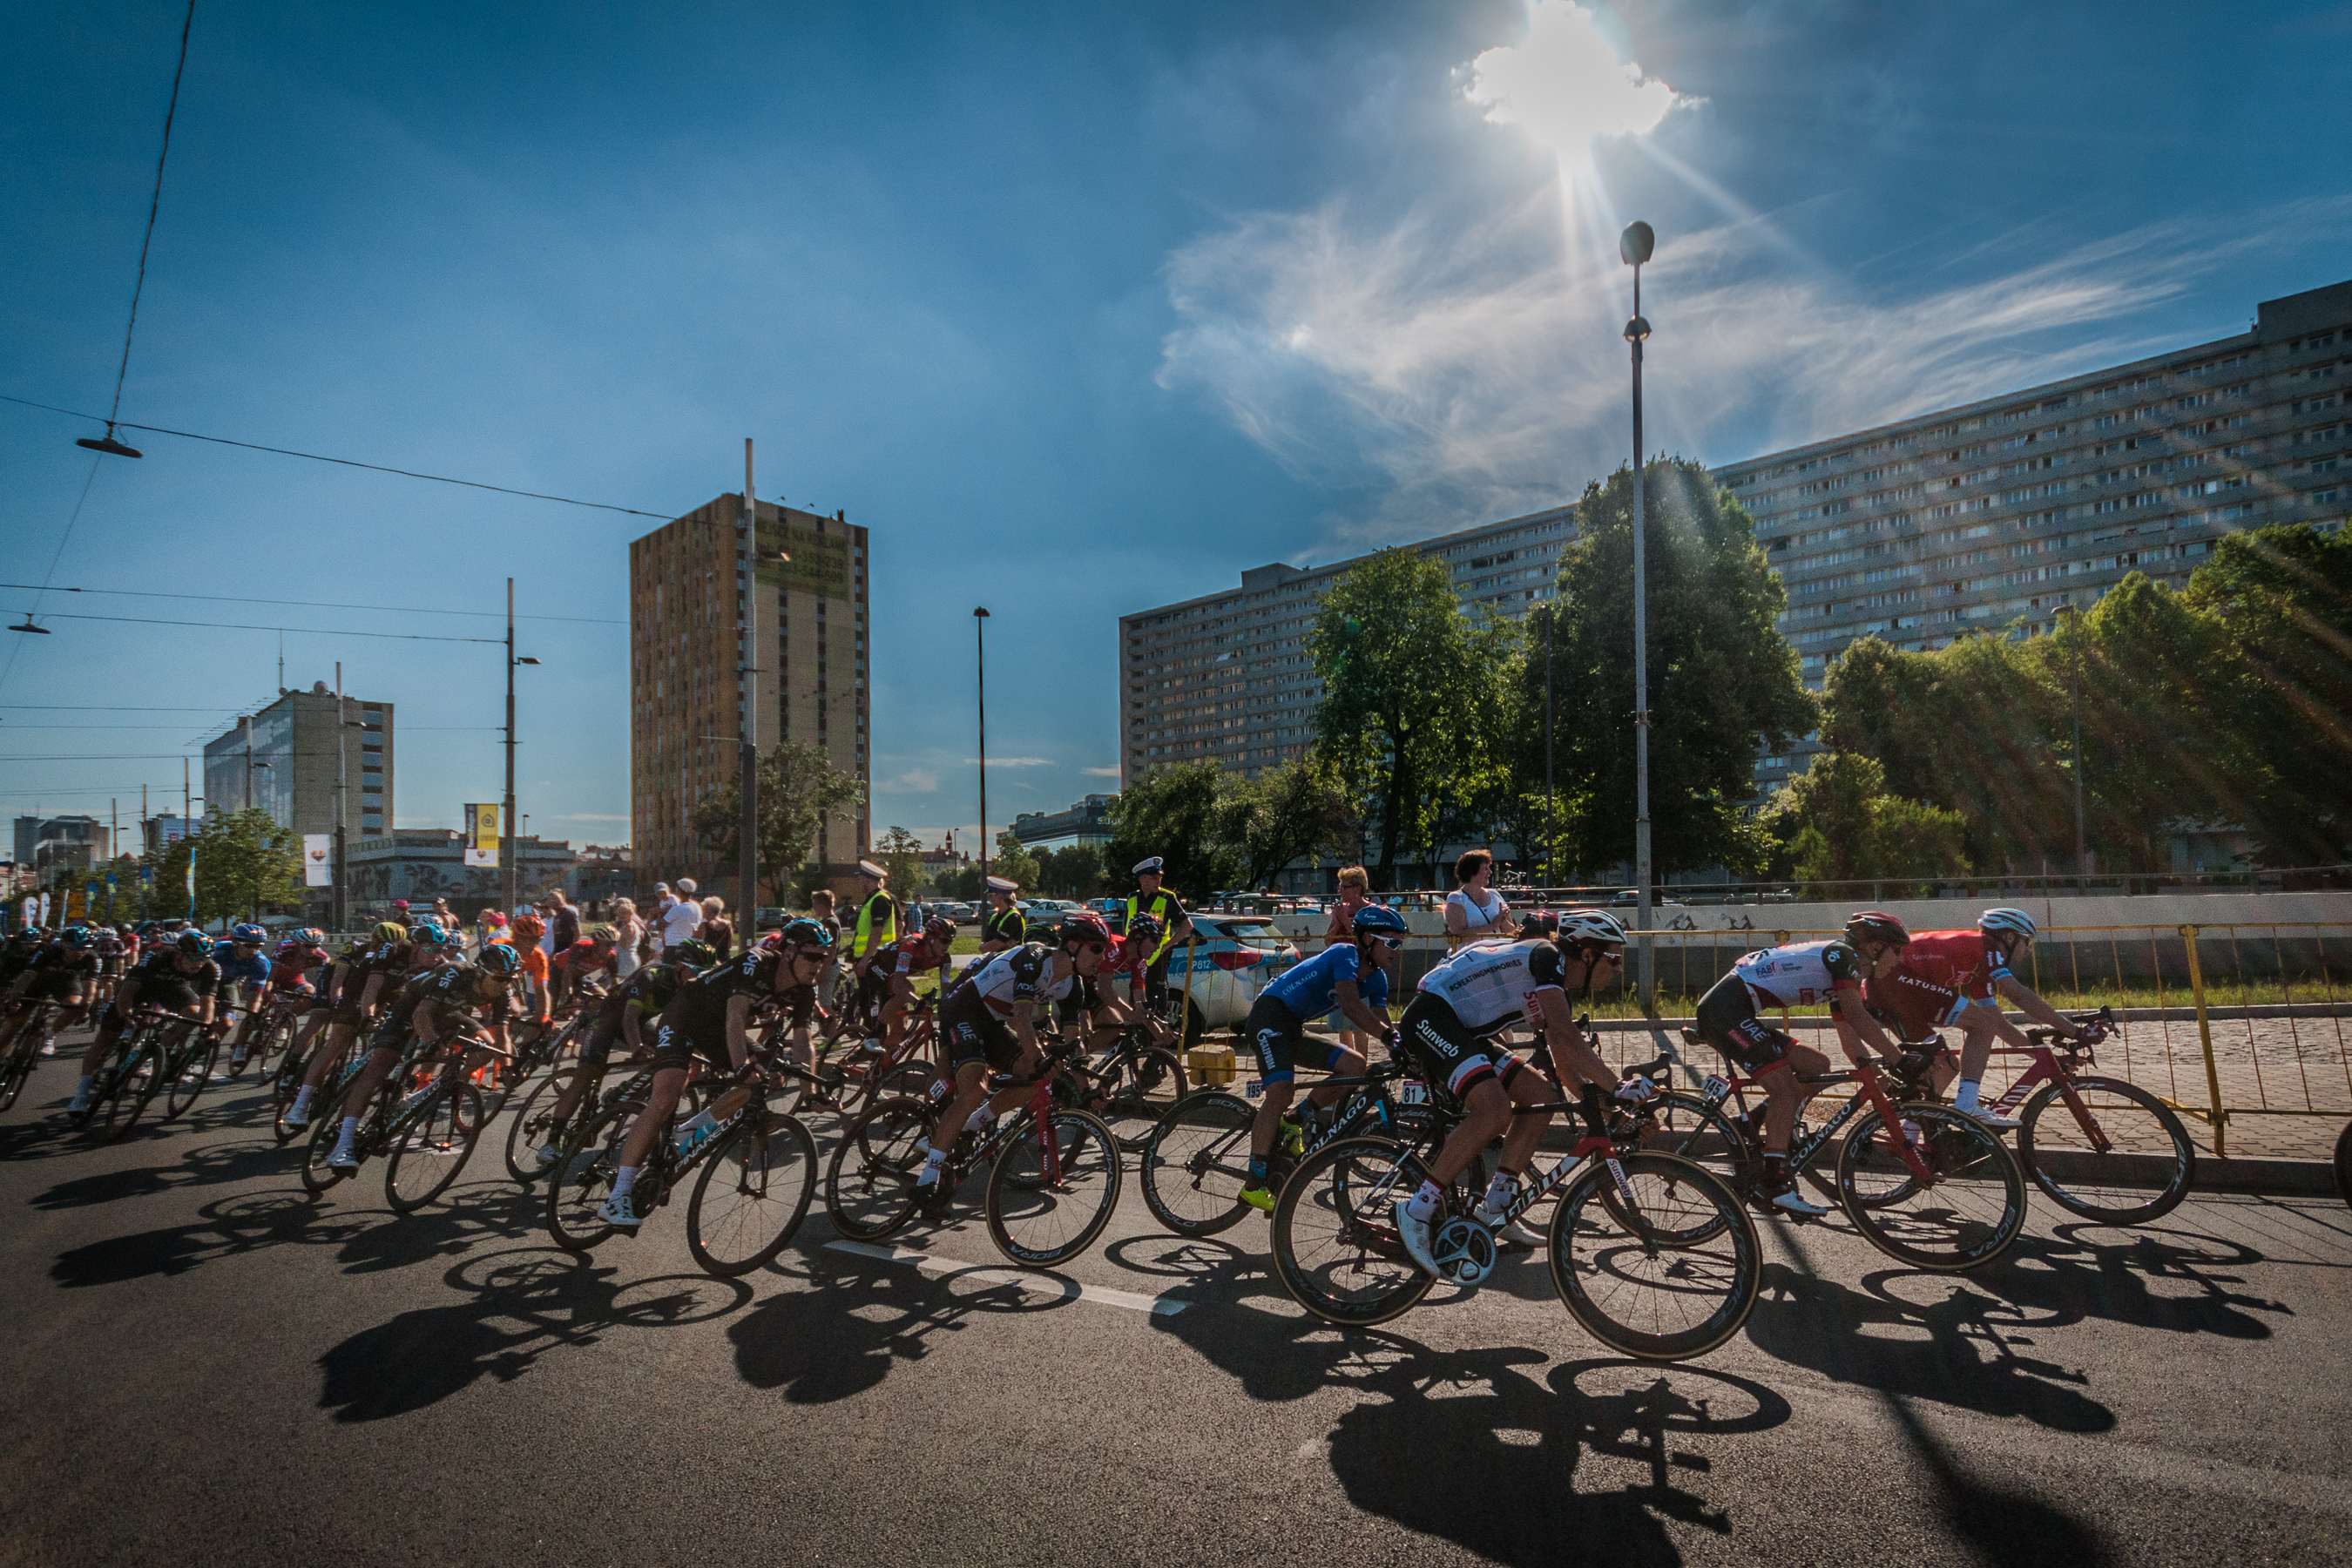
(1024, 974)
(1792, 976)
(1492, 987)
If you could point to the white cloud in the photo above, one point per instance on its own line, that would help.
(1109, 771)
(1564, 85)
(914, 781)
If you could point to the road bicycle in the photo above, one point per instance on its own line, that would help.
(1130, 1084)
(1922, 1183)
(281, 1020)
(1652, 1254)
(757, 1168)
(286, 1080)
(127, 1080)
(188, 1066)
(427, 1116)
(1195, 1161)
(861, 1076)
(24, 1051)
(1054, 1171)
(535, 1125)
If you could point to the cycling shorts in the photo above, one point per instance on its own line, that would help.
(1450, 1055)
(1280, 1037)
(674, 1048)
(1728, 1021)
(59, 985)
(598, 1048)
(974, 1033)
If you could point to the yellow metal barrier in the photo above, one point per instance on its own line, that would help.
(2219, 1112)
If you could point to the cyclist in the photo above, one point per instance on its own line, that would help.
(1961, 978)
(179, 976)
(1449, 1028)
(1354, 974)
(528, 929)
(369, 974)
(1004, 925)
(622, 1015)
(292, 962)
(443, 996)
(597, 953)
(1801, 973)
(989, 1022)
(887, 989)
(245, 975)
(63, 970)
(711, 1017)
(110, 947)
(1168, 911)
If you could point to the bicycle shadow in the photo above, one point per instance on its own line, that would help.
(209, 1166)
(521, 1305)
(2073, 1274)
(857, 1324)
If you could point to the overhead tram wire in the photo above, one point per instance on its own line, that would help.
(245, 627)
(345, 462)
(315, 604)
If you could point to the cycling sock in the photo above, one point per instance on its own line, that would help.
(981, 1118)
(1964, 1093)
(1422, 1204)
(88, 1081)
(625, 1177)
(302, 1096)
(1499, 1190)
(1258, 1167)
(934, 1156)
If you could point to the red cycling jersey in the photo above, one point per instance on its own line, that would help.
(1940, 974)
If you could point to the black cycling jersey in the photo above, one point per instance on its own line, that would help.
(164, 983)
(699, 1009)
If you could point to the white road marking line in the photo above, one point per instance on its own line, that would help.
(1054, 1285)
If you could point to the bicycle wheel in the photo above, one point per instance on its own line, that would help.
(583, 1178)
(326, 1126)
(284, 1086)
(1141, 1088)
(1335, 1242)
(1966, 1213)
(1039, 1216)
(535, 1125)
(135, 1083)
(1632, 1286)
(192, 1069)
(909, 1079)
(2144, 1138)
(432, 1148)
(1196, 1161)
(1695, 1130)
(15, 1068)
(869, 1185)
(751, 1196)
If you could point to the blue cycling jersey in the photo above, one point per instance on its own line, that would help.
(236, 970)
(1307, 988)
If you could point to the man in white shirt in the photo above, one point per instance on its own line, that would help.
(682, 919)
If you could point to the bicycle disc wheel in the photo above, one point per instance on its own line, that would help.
(1335, 1242)
(196, 1070)
(433, 1149)
(869, 1185)
(535, 1125)
(751, 1196)
(1635, 1288)
(583, 1178)
(1038, 1217)
(2142, 1175)
(1966, 1213)
(1196, 1161)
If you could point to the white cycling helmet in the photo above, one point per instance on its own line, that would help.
(1579, 926)
(2007, 918)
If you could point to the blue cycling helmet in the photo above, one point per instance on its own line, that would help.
(195, 944)
(1377, 919)
(428, 933)
(499, 959)
(247, 934)
(75, 936)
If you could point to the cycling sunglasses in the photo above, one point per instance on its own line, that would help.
(1392, 942)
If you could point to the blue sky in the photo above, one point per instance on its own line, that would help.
(1080, 308)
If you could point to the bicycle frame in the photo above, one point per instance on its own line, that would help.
(1715, 1089)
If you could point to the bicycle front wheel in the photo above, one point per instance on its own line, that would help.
(1967, 1211)
(752, 1195)
(1196, 1161)
(135, 1085)
(1335, 1243)
(2122, 1158)
(869, 1185)
(1695, 1130)
(433, 1148)
(326, 1126)
(1623, 1272)
(581, 1178)
(1047, 1201)
(15, 1069)
(194, 1070)
(1142, 1088)
(535, 1125)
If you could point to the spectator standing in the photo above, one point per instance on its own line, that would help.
(564, 924)
(681, 915)
(1355, 892)
(1474, 911)
(716, 928)
(632, 931)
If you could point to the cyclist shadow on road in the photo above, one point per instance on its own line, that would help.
(2093, 1271)
(858, 1321)
(519, 1305)
(208, 1165)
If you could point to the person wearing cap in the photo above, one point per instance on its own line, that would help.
(1004, 925)
(1150, 898)
(682, 917)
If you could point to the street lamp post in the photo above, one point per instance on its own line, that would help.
(980, 635)
(747, 848)
(1634, 246)
(1552, 799)
(2072, 617)
(506, 848)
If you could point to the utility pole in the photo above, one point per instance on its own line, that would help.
(1551, 798)
(1634, 247)
(247, 722)
(187, 801)
(980, 632)
(747, 851)
(506, 809)
(114, 847)
(338, 911)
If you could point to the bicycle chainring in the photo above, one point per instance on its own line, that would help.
(1464, 1251)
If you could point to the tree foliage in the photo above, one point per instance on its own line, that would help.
(244, 862)
(900, 853)
(1011, 859)
(1840, 823)
(1075, 872)
(799, 788)
(1295, 809)
(1172, 814)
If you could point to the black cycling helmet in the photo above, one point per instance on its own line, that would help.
(939, 928)
(694, 952)
(803, 933)
(496, 958)
(1084, 926)
(1544, 924)
(195, 944)
(1875, 925)
(1143, 930)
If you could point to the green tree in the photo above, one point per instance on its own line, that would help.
(1296, 809)
(1171, 813)
(1074, 872)
(1409, 703)
(901, 854)
(1840, 823)
(799, 788)
(1723, 681)
(245, 863)
(1012, 858)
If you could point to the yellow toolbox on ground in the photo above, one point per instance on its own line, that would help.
(1211, 1064)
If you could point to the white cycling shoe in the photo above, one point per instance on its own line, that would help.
(345, 1160)
(1414, 1234)
(1789, 1203)
(296, 1119)
(545, 1156)
(618, 1210)
(1985, 1116)
(1515, 1234)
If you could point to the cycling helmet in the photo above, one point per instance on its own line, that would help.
(195, 944)
(1084, 926)
(147, 928)
(246, 934)
(311, 936)
(2010, 918)
(75, 936)
(694, 952)
(1875, 925)
(1542, 924)
(428, 933)
(802, 932)
(1378, 920)
(939, 929)
(1580, 927)
(500, 960)
(528, 927)
(604, 935)
(1144, 930)
(391, 930)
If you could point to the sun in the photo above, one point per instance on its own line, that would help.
(1566, 88)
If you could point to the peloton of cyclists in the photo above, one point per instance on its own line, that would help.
(179, 977)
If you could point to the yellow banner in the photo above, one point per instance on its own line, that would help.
(481, 834)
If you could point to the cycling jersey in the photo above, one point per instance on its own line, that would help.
(290, 965)
(251, 970)
(1308, 989)
(1024, 974)
(698, 1008)
(452, 994)
(584, 958)
(164, 983)
(1491, 987)
(1804, 972)
(1967, 960)
(647, 991)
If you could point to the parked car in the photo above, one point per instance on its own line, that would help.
(1234, 957)
(1113, 911)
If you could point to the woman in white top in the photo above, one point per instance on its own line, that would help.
(1474, 911)
(632, 931)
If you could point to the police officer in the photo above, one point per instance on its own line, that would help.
(1150, 898)
(1004, 925)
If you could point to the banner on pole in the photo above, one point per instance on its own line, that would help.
(481, 836)
(317, 859)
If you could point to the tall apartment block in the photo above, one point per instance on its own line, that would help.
(809, 621)
(1226, 678)
(282, 761)
(1968, 518)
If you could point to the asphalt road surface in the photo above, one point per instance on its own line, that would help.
(200, 1364)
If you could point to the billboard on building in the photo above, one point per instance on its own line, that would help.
(819, 562)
